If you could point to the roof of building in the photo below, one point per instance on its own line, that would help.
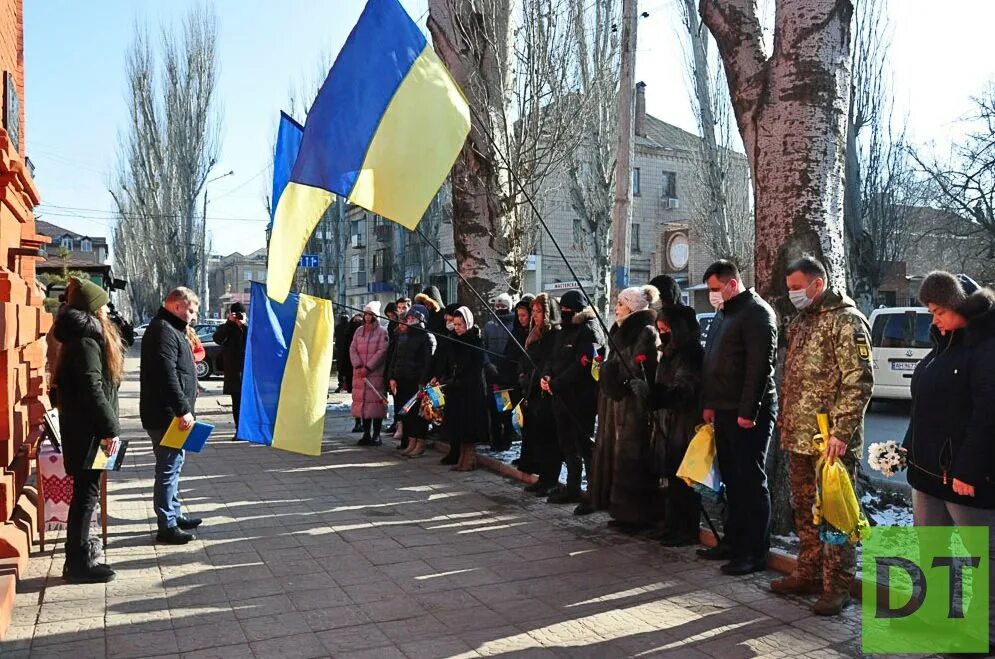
(660, 134)
(55, 231)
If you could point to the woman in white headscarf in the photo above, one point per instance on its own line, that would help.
(624, 481)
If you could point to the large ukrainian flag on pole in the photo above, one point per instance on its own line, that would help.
(288, 363)
(383, 132)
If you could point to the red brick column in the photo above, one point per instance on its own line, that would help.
(23, 325)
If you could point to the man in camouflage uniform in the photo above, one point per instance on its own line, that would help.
(827, 369)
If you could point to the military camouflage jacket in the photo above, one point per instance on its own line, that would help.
(828, 369)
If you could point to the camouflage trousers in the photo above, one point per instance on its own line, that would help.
(836, 563)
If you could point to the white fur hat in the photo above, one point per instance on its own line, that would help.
(634, 298)
(373, 308)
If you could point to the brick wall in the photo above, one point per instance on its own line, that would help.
(23, 325)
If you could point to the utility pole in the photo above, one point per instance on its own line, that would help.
(205, 299)
(622, 208)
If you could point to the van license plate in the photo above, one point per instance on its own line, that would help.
(904, 366)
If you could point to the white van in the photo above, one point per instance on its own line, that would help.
(899, 339)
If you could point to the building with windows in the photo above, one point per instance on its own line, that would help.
(230, 279)
(76, 247)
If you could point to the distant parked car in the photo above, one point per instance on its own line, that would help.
(899, 339)
(211, 364)
(140, 330)
(705, 320)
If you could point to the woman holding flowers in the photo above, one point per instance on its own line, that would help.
(951, 436)
(625, 481)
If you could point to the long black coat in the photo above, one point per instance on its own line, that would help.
(465, 390)
(676, 391)
(575, 391)
(231, 337)
(540, 439)
(168, 377)
(625, 481)
(87, 400)
(952, 430)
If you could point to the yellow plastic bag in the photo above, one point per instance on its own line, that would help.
(836, 508)
(699, 468)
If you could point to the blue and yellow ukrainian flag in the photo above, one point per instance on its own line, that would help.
(383, 132)
(288, 144)
(518, 418)
(436, 396)
(503, 400)
(288, 363)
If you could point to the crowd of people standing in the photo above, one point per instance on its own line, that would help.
(619, 410)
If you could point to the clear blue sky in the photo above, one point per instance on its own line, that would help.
(75, 96)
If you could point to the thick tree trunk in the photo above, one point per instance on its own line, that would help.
(475, 41)
(791, 109)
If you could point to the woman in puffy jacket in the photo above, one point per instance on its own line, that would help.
(951, 435)
(87, 377)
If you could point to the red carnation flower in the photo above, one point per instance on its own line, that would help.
(599, 359)
(495, 388)
(640, 359)
(585, 360)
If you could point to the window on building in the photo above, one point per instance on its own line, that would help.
(635, 181)
(634, 242)
(86, 245)
(670, 185)
(66, 242)
(357, 231)
(578, 231)
(358, 270)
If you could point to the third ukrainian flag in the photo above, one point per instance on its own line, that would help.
(384, 131)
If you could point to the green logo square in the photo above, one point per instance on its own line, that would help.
(925, 589)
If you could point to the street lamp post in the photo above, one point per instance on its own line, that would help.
(204, 290)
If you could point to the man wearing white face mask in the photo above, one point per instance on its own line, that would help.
(739, 398)
(828, 369)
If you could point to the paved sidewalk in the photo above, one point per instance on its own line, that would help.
(360, 553)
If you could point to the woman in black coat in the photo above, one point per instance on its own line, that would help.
(675, 396)
(232, 336)
(465, 391)
(344, 360)
(951, 436)
(540, 442)
(410, 369)
(87, 376)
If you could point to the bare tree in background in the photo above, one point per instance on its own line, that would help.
(881, 186)
(166, 152)
(591, 169)
(791, 108)
(512, 58)
(722, 214)
(965, 185)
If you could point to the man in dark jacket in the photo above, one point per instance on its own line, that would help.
(168, 392)
(739, 397)
(569, 380)
(232, 337)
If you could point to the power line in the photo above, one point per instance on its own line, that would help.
(102, 214)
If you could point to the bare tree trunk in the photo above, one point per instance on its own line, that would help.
(791, 109)
(474, 38)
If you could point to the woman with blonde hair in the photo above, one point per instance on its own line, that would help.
(87, 377)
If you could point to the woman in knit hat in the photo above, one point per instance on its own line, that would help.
(410, 369)
(87, 376)
(951, 436)
(368, 353)
(465, 422)
(625, 481)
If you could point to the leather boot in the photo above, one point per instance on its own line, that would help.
(830, 604)
(795, 585)
(418, 448)
(467, 458)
